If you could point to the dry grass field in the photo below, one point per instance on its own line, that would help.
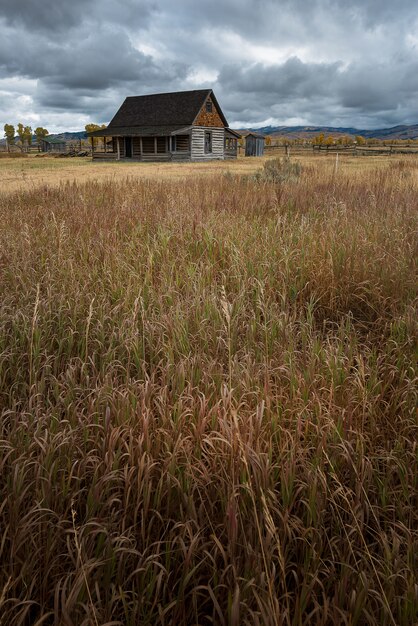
(208, 394)
(33, 172)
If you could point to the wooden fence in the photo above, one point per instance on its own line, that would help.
(348, 150)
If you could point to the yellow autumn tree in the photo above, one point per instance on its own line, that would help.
(90, 128)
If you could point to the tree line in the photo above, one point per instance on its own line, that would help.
(24, 135)
(323, 140)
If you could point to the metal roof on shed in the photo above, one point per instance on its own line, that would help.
(53, 140)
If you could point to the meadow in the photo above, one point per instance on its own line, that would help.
(31, 173)
(208, 395)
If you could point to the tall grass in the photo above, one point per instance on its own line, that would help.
(207, 394)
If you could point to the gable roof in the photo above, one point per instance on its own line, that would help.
(234, 133)
(53, 140)
(179, 108)
(256, 135)
(251, 133)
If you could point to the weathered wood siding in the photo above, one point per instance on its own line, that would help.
(158, 148)
(121, 141)
(254, 146)
(136, 147)
(231, 154)
(209, 119)
(180, 156)
(198, 144)
(53, 147)
(104, 156)
(231, 145)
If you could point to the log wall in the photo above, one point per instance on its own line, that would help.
(198, 144)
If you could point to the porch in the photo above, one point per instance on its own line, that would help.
(144, 148)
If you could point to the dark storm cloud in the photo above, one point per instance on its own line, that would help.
(55, 16)
(291, 79)
(356, 90)
(75, 73)
(290, 19)
(318, 61)
(85, 63)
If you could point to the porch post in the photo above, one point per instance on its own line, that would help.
(117, 145)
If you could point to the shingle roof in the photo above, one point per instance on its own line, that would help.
(178, 108)
(143, 131)
(233, 132)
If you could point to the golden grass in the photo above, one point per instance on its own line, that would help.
(208, 396)
(34, 172)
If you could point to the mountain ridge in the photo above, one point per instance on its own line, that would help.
(400, 131)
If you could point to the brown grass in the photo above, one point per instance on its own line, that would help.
(207, 395)
(34, 173)
(10, 156)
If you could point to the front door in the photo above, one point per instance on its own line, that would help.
(128, 147)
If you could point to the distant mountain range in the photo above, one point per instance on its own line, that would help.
(295, 132)
(81, 134)
(299, 132)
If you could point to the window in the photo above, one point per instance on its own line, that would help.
(208, 106)
(208, 142)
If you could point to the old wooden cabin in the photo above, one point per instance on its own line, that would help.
(53, 144)
(180, 126)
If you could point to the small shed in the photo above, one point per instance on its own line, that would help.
(254, 144)
(53, 144)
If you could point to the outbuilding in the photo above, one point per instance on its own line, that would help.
(254, 144)
(53, 144)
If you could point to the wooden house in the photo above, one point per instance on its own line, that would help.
(180, 126)
(53, 144)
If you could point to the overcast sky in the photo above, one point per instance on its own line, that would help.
(65, 63)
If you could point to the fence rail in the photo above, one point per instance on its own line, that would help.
(348, 150)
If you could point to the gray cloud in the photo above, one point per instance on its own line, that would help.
(316, 61)
(53, 17)
(312, 90)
